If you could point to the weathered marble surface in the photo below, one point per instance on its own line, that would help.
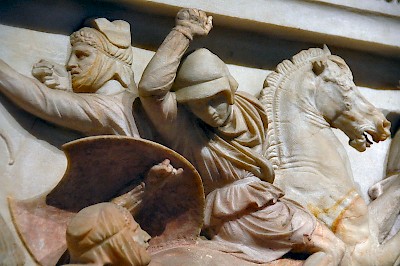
(374, 23)
(304, 97)
(10, 252)
(29, 145)
(22, 58)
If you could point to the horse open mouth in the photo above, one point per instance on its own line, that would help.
(364, 141)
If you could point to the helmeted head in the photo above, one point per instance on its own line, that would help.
(101, 53)
(204, 84)
(107, 234)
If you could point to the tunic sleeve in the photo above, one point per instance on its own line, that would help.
(89, 114)
(236, 199)
(158, 101)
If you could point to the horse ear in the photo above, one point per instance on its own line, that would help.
(326, 50)
(318, 67)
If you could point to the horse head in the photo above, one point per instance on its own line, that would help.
(343, 106)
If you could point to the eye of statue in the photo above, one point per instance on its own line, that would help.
(81, 54)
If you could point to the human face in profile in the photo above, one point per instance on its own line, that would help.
(140, 236)
(214, 110)
(80, 63)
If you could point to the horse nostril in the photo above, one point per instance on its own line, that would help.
(386, 124)
(385, 129)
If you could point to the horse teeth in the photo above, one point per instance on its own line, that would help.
(368, 141)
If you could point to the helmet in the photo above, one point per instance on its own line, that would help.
(201, 75)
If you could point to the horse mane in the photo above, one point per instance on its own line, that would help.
(270, 95)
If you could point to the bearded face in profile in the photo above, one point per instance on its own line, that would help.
(97, 58)
(90, 68)
(83, 66)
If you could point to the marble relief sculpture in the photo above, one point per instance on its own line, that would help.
(101, 77)
(10, 252)
(93, 97)
(304, 98)
(167, 202)
(388, 190)
(227, 179)
(197, 112)
(105, 234)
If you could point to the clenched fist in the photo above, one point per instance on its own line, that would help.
(52, 75)
(193, 22)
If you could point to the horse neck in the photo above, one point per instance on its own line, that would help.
(298, 135)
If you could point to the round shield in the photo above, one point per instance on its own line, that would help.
(99, 169)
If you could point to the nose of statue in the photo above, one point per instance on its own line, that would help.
(71, 63)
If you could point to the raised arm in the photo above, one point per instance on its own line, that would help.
(158, 77)
(84, 114)
(157, 177)
(29, 94)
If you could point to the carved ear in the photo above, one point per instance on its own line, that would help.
(318, 67)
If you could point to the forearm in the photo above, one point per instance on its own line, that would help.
(27, 93)
(160, 73)
(154, 88)
(55, 106)
(131, 200)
